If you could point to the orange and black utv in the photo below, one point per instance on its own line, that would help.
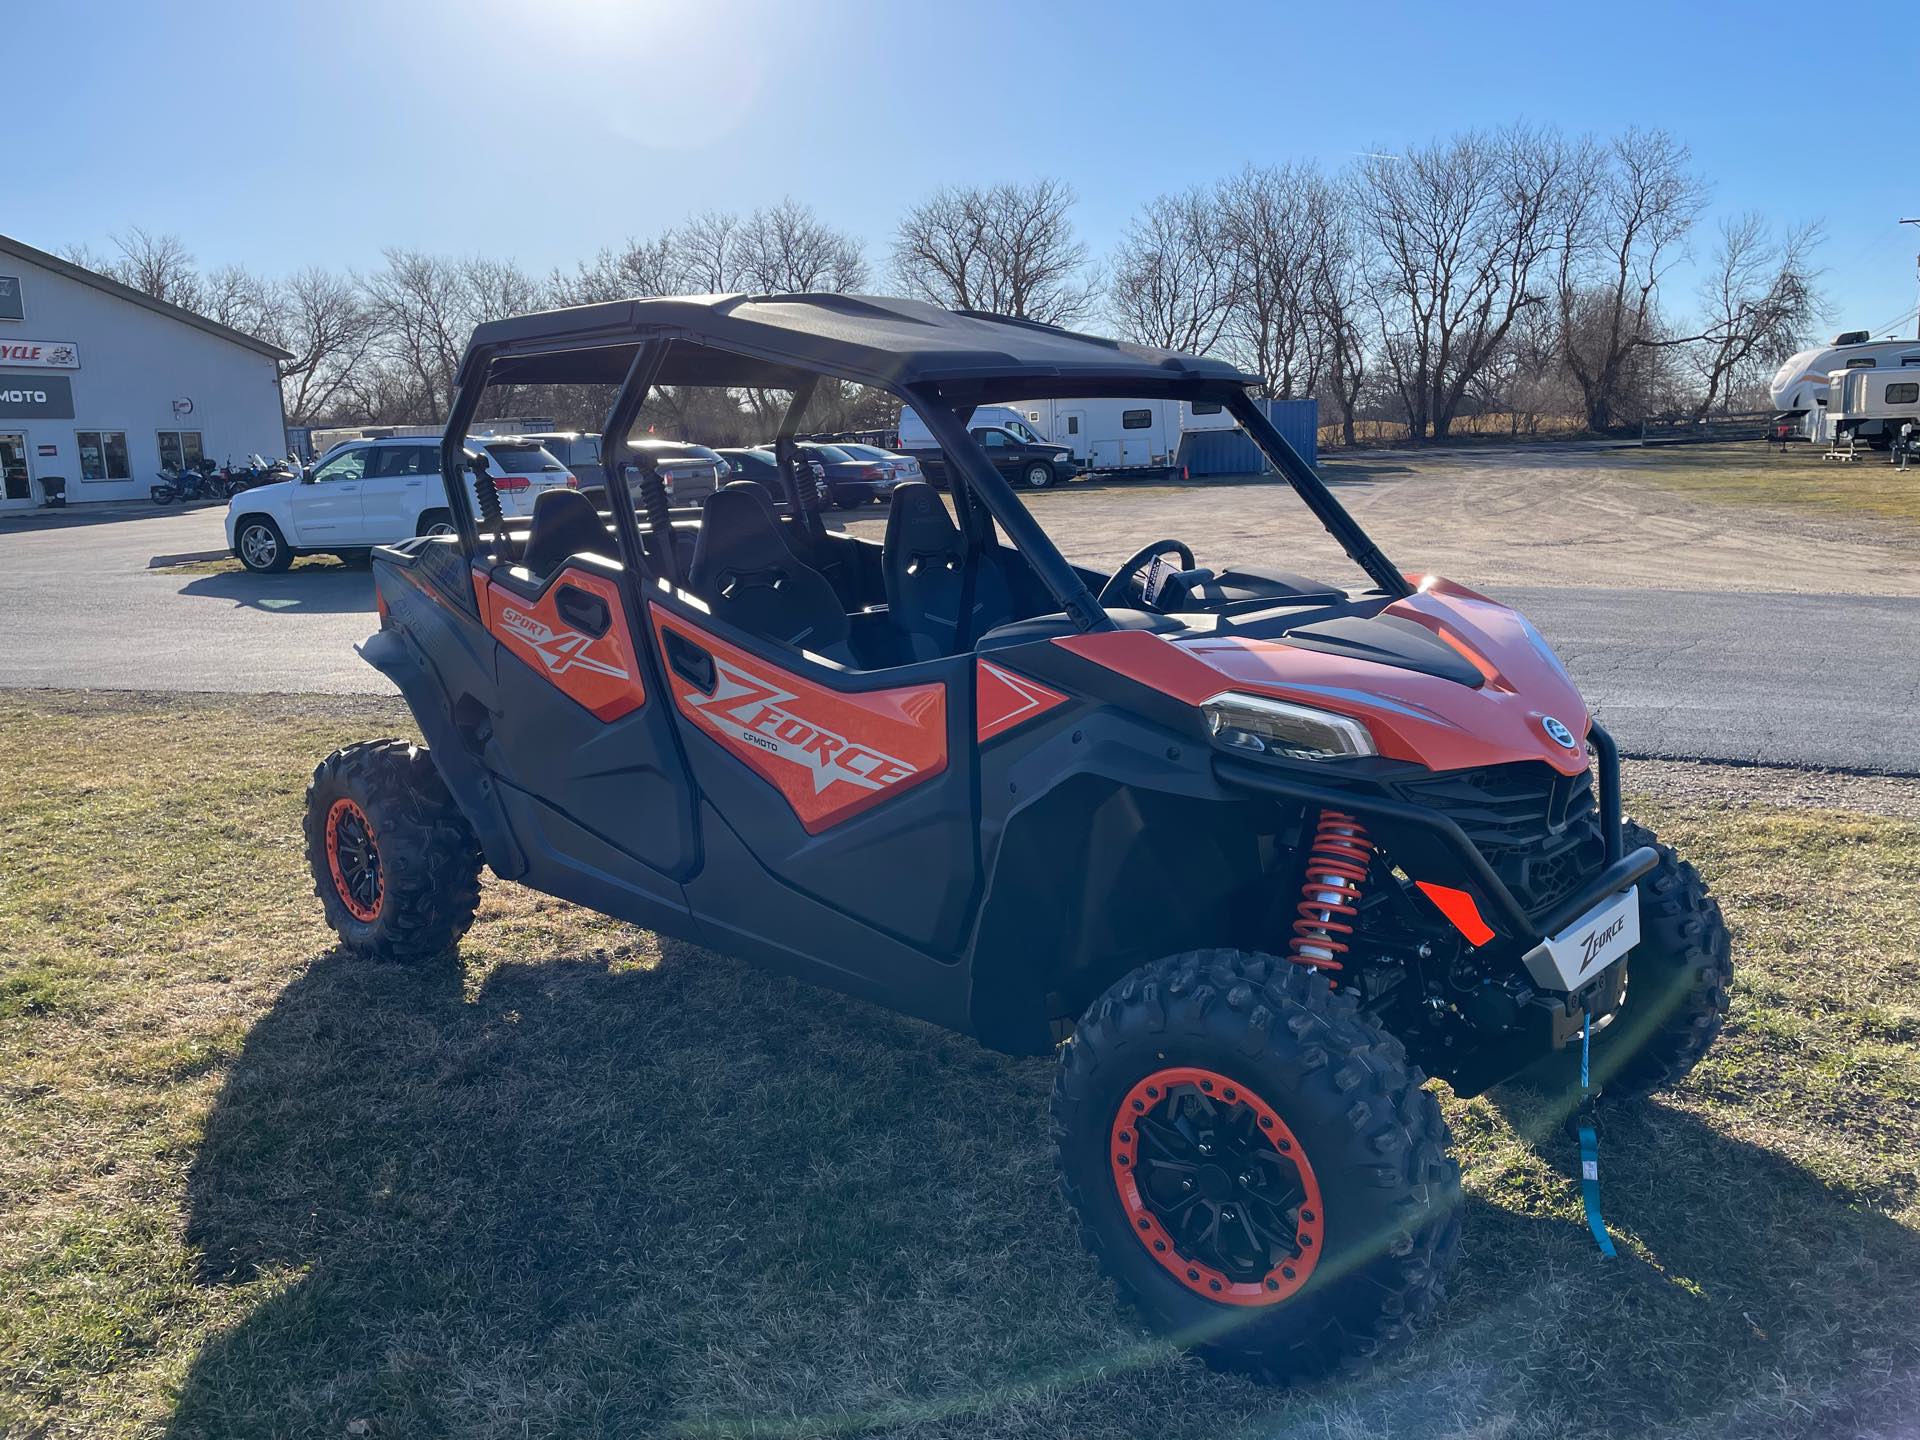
(1254, 852)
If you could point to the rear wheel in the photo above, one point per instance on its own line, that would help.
(435, 522)
(261, 546)
(1255, 1164)
(395, 864)
(1678, 978)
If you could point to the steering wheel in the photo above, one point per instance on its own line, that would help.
(1119, 590)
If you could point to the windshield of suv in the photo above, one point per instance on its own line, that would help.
(524, 459)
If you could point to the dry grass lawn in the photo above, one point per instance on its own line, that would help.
(592, 1185)
(1755, 474)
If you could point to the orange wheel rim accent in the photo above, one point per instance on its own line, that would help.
(1205, 1279)
(347, 824)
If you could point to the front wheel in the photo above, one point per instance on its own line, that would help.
(1255, 1164)
(161, 494)
(261, 547)
(394, 862)
(1678, 979)
(1037, 477)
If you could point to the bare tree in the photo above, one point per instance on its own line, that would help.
(237, 298)
(323, 319)
(1173, 275)
(1459, 230)
(709, 257)
(786, 249)
(639, 268)
(1009, 249)
(420, 302)
(1757, 300)
(1272, 220)
(156, 265)
(1624, 217)
(1335, 297)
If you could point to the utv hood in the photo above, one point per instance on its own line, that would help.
(1474, 685)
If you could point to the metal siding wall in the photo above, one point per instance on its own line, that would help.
(1230, 452)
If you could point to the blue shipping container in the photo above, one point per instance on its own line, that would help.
(1231, 452)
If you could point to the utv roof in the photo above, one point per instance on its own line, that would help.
(777, 341)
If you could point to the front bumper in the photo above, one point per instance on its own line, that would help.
(1443, 837)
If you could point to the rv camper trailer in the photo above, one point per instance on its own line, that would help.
(1869, 407)
(1800, 388)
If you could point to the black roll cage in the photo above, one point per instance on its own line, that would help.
(945, 408)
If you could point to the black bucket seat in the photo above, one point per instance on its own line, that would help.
(744, 568)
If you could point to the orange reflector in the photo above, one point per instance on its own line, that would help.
(1458, 906)
(380, 604)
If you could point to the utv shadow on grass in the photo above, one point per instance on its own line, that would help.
(621, 1195)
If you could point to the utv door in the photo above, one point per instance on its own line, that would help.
(585, 744)
(839, 814)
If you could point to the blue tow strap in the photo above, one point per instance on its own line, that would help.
(1590, 1151)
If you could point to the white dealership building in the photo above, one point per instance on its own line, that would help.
(102, 386)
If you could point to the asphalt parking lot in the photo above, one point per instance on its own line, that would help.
(1698, 635)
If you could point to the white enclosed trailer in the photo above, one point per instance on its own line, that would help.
(1102, 434)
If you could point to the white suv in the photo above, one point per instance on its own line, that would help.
(373, 492)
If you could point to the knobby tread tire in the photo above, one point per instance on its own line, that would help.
(429, 857)
(1679, 979)
(1375, 1138)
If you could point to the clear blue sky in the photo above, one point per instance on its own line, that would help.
(279, 135)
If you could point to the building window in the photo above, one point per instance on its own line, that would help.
(1906, 394)
(1136, 419)
(179, 449)
(103, 455)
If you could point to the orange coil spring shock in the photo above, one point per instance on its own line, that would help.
(1330, 894)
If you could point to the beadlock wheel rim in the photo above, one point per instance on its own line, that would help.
(1216, 1187)
(354, 860)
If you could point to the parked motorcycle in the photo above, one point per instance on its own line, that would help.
(257, 471)
(185, 486)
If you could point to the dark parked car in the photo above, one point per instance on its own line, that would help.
(760, 467)
(852, 480)
(1028, 465)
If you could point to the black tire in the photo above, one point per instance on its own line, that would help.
(425, 861)
(260, 545)
(1037, 476)
(435, 522)
(1678, 982)
(1339, 1085)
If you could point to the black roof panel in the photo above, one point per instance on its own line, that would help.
(776, 340)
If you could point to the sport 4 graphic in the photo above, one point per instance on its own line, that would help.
(559, 650)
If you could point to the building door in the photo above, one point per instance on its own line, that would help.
(16, 483)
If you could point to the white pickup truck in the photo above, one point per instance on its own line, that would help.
(373, 492)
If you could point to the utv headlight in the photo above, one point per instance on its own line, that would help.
(1277, 727)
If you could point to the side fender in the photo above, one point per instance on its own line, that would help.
(472, 787)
